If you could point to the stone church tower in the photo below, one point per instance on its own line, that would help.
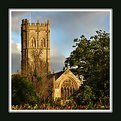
(34, 37)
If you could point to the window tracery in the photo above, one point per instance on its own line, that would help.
(67, 89)
(33, 42)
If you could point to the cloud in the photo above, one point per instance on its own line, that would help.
(16, 62)
(56, 58)
(15, 47)
(15, 57)
(15, 23)
(65, 27)
(16, 18)
(57, 63)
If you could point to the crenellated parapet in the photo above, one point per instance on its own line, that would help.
(34, 26)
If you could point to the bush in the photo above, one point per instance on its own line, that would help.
(22, 91)
(84, 95)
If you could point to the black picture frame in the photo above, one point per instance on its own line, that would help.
(4, 67)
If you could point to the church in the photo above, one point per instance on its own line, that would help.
(35, 41)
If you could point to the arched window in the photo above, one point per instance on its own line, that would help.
(67, 89)
(44, 43)
(33, 42)
(62, 93)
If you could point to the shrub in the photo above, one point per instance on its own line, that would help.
(84, 95)
(22, 91)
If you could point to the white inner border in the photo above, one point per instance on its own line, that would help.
(111, 62)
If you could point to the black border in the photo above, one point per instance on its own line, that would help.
(4, 45)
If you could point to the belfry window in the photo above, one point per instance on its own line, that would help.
(44, 43)
(33, 42)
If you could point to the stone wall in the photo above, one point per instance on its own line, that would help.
(35, 37)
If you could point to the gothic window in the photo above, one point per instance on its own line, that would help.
(39, 45)
(62, 93)
(67, 89)
(33, 42)
(44, 43)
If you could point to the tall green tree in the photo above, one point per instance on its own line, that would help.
(90, 58)
(23, 91)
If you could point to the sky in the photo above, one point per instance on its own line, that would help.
(65, 26)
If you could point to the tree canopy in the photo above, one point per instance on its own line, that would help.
(90, 58)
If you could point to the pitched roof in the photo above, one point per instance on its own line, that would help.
(57, 75)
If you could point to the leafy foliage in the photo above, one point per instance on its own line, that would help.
(71, 105)
(84, 95)
(91, 59)
(22, 90)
